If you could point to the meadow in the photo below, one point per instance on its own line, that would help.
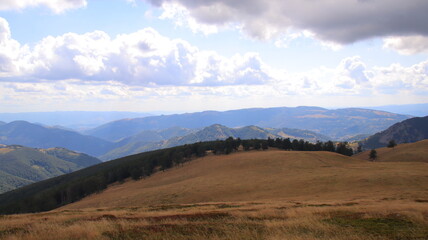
(356, 220)
(271, 194)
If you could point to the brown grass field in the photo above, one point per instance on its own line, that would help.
(406, 152)
(249, 195)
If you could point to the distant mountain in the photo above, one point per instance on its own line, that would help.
(33, 135)
(357, 138)
(417, 110)
(78, 120)
(20, 165)
(214, 132)
(337, 124)
(156, 135)
(2, 123)
(407, 131)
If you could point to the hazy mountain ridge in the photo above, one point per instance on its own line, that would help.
(417, 110)
(211, 133)
(21, 165)
(407, 131)
(37, 136)
(338, 124)
(77, 120)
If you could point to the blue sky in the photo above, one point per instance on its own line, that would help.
(182, 55)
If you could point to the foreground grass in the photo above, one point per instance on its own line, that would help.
(382, 219)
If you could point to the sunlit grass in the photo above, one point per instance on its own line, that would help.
(228, 220)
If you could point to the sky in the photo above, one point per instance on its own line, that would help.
(194, 55)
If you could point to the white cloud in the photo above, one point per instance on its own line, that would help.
(11, 52)
(57, 6)
(344, 21)
(181, 17)
(147, 67)
(407, 45)
(141, 58)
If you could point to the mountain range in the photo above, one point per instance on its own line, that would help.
(129, 136)
(337, 124)
(21, 165)
(141, 142)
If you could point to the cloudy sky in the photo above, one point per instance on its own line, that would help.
(192, 55)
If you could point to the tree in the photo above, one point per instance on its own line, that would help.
(373, 155)
(359, 148)
(265, 145)
(392, 143)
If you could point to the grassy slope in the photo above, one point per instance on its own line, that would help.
(406, 152)
(373, 220)
(270, 175)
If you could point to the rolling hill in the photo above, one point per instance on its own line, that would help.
(407, 131)
(267, 175)
(405, 152)
(182, 175)
(20, 165)
(337, 124)
(37, 136)
(141, 143)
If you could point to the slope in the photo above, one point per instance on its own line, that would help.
(407, 131)
(406, 152)
(33, 135)
(20, 165)
(338, 124)
(267, 175)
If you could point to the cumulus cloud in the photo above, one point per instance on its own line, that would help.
(407, 45)
(57, 6)
(143, 58)
(147, 66)
(344, 21)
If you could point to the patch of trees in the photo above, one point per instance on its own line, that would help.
(55, 192)
(391, 143)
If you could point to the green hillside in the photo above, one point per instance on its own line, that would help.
(20, 165)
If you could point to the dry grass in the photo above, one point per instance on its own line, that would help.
(374, 220)
(406, 152)
(258, 195)
(271, 175)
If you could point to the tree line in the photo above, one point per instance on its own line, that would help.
(65, 189)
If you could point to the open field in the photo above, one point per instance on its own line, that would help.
(249, 195)
(406, 152)
(354, 220)
(269, 175)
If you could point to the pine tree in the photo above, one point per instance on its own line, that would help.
(373, 155)
(392, 143)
